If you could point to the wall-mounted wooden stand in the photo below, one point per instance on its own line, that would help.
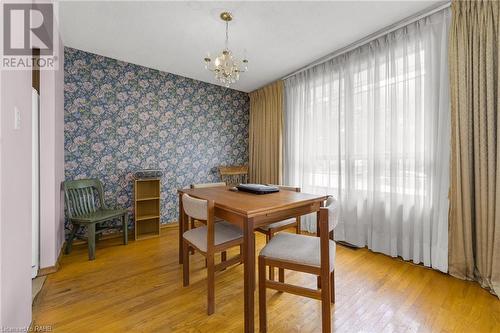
(147, 208)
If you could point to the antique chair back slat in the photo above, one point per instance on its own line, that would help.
(81, 196)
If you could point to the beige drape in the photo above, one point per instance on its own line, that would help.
(265, 134)
(474, 237)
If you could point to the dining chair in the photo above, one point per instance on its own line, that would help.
(271, 229)
(193, 221)
(85, 206)
(234, 175)
(308, 254)
(208, 240)
(206, 185)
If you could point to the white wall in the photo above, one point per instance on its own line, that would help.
(15, 185)
(51, 162)
(15, 199)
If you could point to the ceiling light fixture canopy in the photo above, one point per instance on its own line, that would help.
(226, 66)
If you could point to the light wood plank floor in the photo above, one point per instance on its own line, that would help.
(138, 288)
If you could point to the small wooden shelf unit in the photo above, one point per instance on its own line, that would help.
(147, 208)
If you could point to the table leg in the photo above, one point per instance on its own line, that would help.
(249, 274)
(181, 228)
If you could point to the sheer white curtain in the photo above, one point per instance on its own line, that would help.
(372, 128)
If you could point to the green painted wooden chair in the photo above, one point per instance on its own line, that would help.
(85, 208)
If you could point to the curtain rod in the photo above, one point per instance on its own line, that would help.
(365, 40)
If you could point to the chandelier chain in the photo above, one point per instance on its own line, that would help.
(227, 34)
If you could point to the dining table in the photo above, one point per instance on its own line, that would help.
(250, 211)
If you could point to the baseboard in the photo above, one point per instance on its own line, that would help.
(111, 235)
(52, 269)
(174, 224)
(118, 234)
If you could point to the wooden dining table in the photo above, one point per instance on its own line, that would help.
(250, 211)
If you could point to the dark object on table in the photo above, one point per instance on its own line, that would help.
(257, 188)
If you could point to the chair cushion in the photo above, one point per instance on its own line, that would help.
(300, 249)
(223, 232)
(279, 224)
(99, 215)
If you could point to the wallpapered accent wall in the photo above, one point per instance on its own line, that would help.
(121, 117)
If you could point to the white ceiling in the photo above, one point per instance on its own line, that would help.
(279, 37)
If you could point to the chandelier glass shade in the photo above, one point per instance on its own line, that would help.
(225, 66)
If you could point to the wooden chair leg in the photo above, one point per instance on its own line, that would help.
(281, 271)
(69, 243)
(241, 253)
(281, 275)
(223, 257)
(298, 227)
(262, 296)
(271, 273)
(271, 268)
(326, 306)
(332, 286)
(210, 284)
(91, 240)
(185, 263)
(125, 228)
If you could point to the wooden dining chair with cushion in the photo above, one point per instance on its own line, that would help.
(208, 240)
(234, 175)
(207, 185)
(193, 221)
(308, 254)
(271, 229)
(85, 206)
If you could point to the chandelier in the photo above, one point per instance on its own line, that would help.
(225, 66)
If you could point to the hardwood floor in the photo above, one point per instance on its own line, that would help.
(138, 288)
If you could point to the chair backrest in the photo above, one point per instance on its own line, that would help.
(205, 185)
(234, 175)
(332, 206)
(328, 221)
(195, 208)
(199, 209)
(286, 187)
(80, 196)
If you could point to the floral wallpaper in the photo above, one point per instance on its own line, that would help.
(121, 117)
